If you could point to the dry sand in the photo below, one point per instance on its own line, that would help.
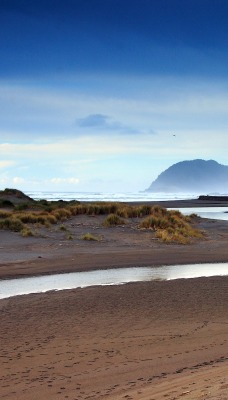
(144, 341)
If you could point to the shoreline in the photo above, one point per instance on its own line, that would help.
(211, 201)
(137, 341)
(118, 247)
(23, 269)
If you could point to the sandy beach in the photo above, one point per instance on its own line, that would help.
(136, 341)
(151, 341)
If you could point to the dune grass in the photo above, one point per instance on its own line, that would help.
(168, 226)
(5, 214)
(26, 232)
(171, 226)
(90, 237)
(11, 224)
(113, 220)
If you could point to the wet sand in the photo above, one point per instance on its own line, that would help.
(151, 340)
(141, 341)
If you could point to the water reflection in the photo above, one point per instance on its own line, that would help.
(14, 287)
(206, 212)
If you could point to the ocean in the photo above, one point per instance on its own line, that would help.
(111, 196)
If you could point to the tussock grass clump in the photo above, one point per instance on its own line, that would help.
(90, 236)
(179, 236)
(124, 212)
(193, 216)
(11, 224)
(154, 223)
(51, 219)
(99, 208)
(35, 218)
(105, 208)
(61, 214)
(170, 226)
(112, 220)
(158, 210)
(5, 214)
(63, 228)
(26, 232)
(79, 209)
(167, 237)
(143, 210)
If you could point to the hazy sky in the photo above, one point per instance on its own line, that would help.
(92, 92)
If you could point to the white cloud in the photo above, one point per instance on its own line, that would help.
(17, 180)
(84, 148)
(6, 163)
(31, 112)
(73, 181)
(3, 181)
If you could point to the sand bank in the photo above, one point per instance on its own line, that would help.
(50, 251)
(137, 341)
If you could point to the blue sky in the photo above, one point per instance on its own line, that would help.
(92, 92)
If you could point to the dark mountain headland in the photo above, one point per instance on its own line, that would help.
(196, 176)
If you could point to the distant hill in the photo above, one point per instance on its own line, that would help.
(196, 176)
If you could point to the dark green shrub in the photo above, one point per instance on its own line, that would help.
(6, 203)
(22, 206)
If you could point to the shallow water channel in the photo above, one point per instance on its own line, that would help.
(15, 287)
(205, 212)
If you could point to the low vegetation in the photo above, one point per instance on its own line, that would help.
(6, 204)
(90, 236)
(168, 226)
(12, 224)
(113, 219)
(171, 226)
(26, 232)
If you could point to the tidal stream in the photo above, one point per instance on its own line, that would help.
(118, 276)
